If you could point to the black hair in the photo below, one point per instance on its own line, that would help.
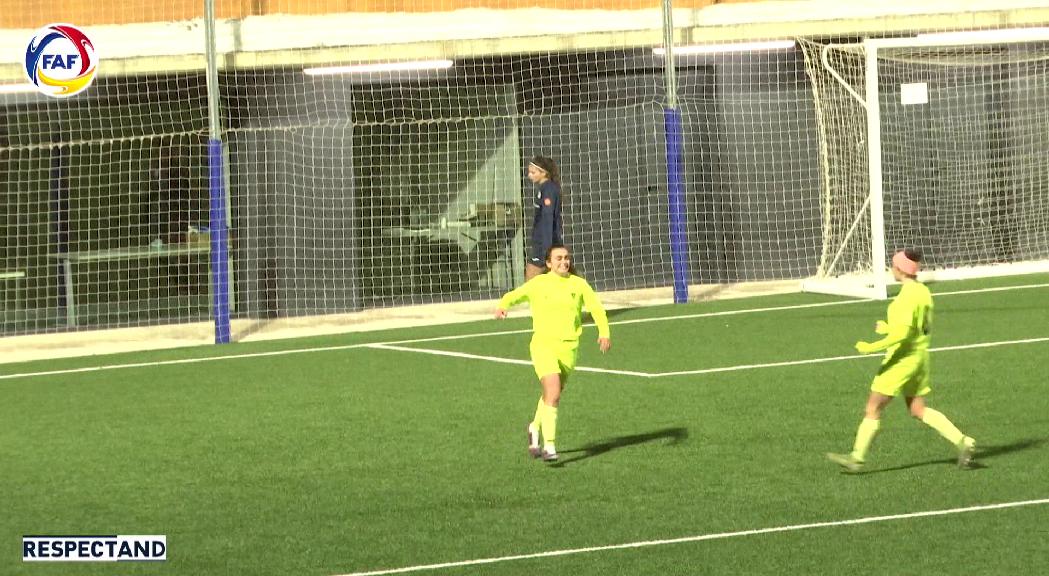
(549, 166)
(913, 254)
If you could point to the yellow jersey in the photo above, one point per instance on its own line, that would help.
(912, 308)
(557, 306)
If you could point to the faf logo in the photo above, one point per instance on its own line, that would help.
(60, 60)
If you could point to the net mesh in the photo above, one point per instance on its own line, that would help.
(402, 184)
(962, 130)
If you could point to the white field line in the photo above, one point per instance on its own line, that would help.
(467, 336)
(179, 361)
(702, 370)
(982, 290)
(502, 360)
(499, 360)
(838, 358)
(815, 305)
(711, 314)
(702, 537)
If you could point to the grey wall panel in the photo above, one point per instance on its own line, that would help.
(752, 167)
(613, 171)
(295, 222)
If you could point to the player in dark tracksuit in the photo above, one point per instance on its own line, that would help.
(546, 226)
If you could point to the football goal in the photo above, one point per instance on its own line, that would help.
(936, 142)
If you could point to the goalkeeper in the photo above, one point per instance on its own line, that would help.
(556, 298)
(905, 368)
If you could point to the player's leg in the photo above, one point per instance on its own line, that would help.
(939, 422)
(553, 386)
(865, 433)
(868, 428)
(534, 427)
(934, 419)
(915, 392)
(544, 360)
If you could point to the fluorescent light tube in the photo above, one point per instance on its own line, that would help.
(380, 67)
(723, 48)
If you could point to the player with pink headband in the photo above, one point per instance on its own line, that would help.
(905, 368)
(902, 262)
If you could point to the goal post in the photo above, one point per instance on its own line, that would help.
(934, 143)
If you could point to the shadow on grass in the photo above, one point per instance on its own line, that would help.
(675, 435)
(982, 453)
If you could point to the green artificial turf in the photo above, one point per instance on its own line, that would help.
(361, 459)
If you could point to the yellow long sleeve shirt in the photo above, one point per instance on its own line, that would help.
(908, 323)
(557, 306)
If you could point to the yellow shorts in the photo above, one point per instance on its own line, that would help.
(554, 357)
(907, 376)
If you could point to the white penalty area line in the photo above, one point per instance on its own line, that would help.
(179, 361)
(494, 359)
(703, 315)
(839, 358)
(498, 360)
(702, 537)
(814, 305)
(737, 368)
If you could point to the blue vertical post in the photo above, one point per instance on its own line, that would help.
(217, 186)
(59, 212)
(219, 243)
(677, 204)
(675, 163)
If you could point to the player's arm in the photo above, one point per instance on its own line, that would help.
(597, 311)
(513, 297)
(544, 229)
(895, 334)
(896, 330)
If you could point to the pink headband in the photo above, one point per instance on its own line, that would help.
(905, 264)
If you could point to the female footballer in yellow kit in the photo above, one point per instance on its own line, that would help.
(557, 299)
(905, 369)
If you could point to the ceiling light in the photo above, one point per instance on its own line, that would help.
(380, 67)
(724, 48)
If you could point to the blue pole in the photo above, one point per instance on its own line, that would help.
(676, 201)
(219, 243)
(59, 215)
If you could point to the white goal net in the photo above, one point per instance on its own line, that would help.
(342, 161)
(935, 143)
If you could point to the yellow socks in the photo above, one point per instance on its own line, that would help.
(537, 421)
(864, 436)
(549, 426)
(938, 422)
